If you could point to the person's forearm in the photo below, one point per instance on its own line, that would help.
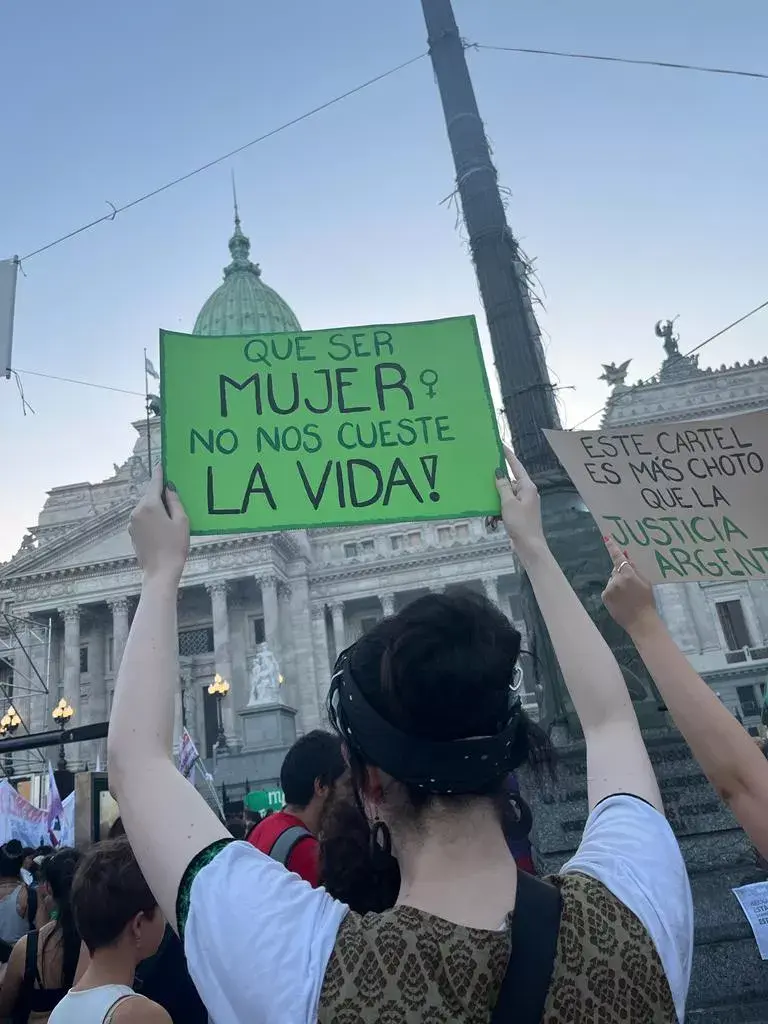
(726, 752)
(141, 723)
(590, 671)
(617, 761)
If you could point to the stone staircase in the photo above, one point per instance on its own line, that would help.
(729, 982)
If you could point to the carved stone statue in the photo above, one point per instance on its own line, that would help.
(266, 679)
(666, 329)
(613, 375)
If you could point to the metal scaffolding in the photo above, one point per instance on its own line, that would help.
(25, 670)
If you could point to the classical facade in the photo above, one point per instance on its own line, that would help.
(722, 627)
(266, 612)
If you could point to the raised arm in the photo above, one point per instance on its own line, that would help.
(728, 755)
(165, 818)
(617, 761)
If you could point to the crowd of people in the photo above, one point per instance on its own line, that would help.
(397, 884)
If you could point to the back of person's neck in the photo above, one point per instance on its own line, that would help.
(305, 816)
(457, 865)
(112, 965)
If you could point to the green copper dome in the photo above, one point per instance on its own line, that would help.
(244, 304)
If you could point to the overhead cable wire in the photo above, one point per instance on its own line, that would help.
(84, 383)
(676, 66)
(220, 159)
(690, 352)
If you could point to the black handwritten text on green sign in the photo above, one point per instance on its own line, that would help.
(386, 423)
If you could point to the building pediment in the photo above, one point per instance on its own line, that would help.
(104, 541)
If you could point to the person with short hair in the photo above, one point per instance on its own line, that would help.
(120, 923)
(310, 771)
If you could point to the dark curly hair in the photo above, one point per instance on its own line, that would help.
(348, 870)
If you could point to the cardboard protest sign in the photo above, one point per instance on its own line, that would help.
(356, 425)
(687, 500)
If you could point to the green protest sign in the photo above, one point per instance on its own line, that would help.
(264, 800)
(391, 423)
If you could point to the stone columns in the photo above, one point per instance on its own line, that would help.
(120, 626)
(271, 617)
(97, 668)
(323, 664)
(387, 604)
(702, 616)
(71, 676)
(491, 588)
(221, 647)
(339, 631)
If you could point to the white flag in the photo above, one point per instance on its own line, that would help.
(9, 270)
(55, 808)
(151, 371)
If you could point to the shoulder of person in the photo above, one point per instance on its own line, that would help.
(140, 1010)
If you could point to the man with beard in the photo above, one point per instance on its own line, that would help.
(310, 771)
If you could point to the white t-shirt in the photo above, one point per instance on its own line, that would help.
(258, 938)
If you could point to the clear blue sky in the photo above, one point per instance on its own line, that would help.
(640, 192)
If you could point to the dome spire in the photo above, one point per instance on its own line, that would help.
(239, 244)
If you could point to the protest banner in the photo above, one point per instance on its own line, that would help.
(357, 425)
(686, 500)
(19, 819)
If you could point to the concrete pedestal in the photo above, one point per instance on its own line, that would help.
(268, 731)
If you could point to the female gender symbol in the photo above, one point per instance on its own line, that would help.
(429, 379)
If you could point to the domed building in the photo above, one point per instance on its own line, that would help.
(253, 607)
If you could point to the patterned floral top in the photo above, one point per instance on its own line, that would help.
(405, 966)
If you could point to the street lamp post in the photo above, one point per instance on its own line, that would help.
(61, 715)
(219, 689)
(9, 723)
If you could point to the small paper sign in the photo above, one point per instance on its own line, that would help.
(754, 903)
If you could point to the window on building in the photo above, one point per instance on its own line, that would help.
(734, 625)
(368, 547)
(350, 550)
(259, 633)
(110, 654)
(398, 541)
(84, 658)
(414, 539)
(6, 672)
(367, 623)
(444, 535)
(196, 641)
(747, 701)
(462, 531)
